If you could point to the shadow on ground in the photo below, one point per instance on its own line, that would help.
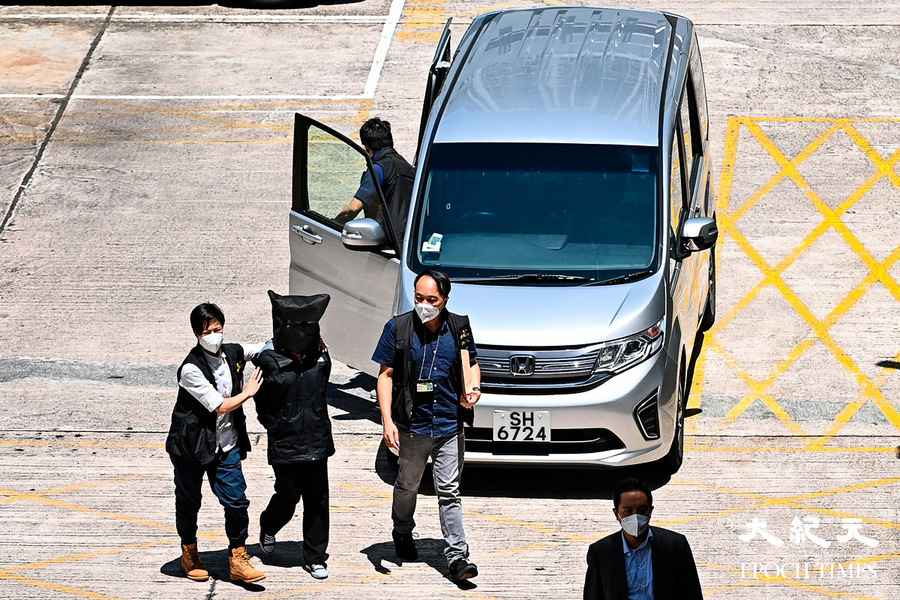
(431, 552)
(356, 407)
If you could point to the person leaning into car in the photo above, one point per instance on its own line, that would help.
(425, 393)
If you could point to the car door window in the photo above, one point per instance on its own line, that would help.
(698, 87)
(691, 154)
(336, 174)
(676, 194)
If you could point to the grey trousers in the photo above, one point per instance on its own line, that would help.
(447, 457)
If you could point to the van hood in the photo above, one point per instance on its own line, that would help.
(520, 316)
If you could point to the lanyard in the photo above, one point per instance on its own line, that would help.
(437, 344)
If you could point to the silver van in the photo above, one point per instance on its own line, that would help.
(563, 182)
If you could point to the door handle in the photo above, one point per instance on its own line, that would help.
(307, 234)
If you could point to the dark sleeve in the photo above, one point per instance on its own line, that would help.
(592, 587)
(689, 580)
(367, 192)
(467, 342)
(384, 351)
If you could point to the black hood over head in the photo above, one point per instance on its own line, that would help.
(295, 322)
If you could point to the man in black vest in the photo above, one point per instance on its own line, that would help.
(292, 406)
(640, 562)
(426, 393)
(394, 174)
(208, 434)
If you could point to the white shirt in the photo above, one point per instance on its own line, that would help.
(197, 385)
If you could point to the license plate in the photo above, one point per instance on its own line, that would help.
(522, 426)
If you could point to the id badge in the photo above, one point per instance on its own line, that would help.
(424, 386)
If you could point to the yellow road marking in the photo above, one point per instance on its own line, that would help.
(878, 271)
(54, 587)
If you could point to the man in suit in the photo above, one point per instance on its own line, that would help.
(640, 562)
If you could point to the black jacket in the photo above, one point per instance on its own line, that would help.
(402, 401)
(192, 432)
(292, 406)
(674, 572)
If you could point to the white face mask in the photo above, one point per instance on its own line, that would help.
(635, 525)
(427, 312)
(212, 342)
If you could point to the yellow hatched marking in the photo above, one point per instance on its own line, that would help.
(878, 271)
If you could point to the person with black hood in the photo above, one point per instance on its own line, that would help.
(208, 435)
(427, 387)
(292, 407)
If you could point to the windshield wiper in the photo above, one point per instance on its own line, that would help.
(622, 278)
(526, 278)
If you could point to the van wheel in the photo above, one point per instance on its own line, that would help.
(709, 313)
(672, 461)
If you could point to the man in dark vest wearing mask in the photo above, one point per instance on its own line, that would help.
(394, 175)
(427, 387)
(208, 435)
(292, 406)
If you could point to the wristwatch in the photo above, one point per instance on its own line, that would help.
(475, 388)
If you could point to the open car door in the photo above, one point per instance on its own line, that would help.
(437, 75)
(355, 263)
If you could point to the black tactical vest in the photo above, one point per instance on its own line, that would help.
(404, 378)
(397, 189)
(192, 433)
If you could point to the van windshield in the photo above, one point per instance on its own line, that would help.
(547, 213)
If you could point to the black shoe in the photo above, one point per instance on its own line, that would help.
(405, 547)
(461, 569)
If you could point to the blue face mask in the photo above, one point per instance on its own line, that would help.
(635, 525)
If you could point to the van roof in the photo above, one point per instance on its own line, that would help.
(561, 75)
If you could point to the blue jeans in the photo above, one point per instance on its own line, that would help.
(227, 482)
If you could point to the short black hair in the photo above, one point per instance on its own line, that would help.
(203, 314)
(440, 278)
(631, 484)
(375, 134)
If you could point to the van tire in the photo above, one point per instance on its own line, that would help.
(673, 460)
(709, 312)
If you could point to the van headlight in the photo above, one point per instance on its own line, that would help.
(624, 353)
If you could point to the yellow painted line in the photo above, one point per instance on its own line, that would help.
(72, 487)
(71, 506)
(789, 449)
(773, 119)
(54, 587)
(760, 500)
(850, 410)
(770, 185)
(82, 556)
(772, 276)
(732, 137)
(852, 487)
(79, 443)
(695, 399)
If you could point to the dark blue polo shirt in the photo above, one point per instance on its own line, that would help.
(367, 194)
(440, 418)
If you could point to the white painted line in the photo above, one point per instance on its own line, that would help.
(384, 44)
(381, 51)
(189, 18)
(175, 97)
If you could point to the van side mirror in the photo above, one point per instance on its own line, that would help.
(699, 233)
(363, 234)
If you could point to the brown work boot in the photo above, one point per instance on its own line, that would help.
(239, 566)
(191, 565)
